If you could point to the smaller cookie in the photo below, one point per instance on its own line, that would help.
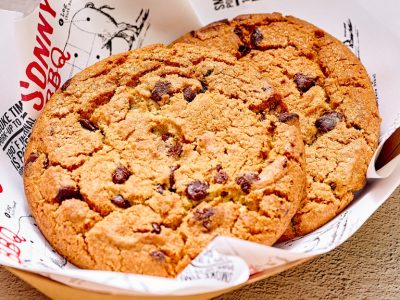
(322, 81)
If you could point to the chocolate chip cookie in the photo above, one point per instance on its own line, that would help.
(326, 85)
(139, 161)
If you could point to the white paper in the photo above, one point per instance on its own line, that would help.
(80, 32)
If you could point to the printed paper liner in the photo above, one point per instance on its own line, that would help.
(70, 35)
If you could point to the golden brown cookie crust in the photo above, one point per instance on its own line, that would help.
(324, 82)
(137, 162)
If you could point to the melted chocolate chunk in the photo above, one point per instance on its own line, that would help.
(172, 175)
(245, 181)
(158, 255)
(239, 32)
(189, 94)
(160, 89)
(204, 86)
(328, 121)
(262, 116)
(68, 192)
(197, 190)
(208, 73)
(175, 150)
(243, 51)
(66, 85)
(304, 82)
(46, 162)
(120, 175)
(287, 117)
(160, 189)
(319, 33)
(31, 158)
(166, 136)
(87, 124)
(221, 177)
(204, 216)
(156, 228)
(284, 162)
(120, 202)
(256, 37)
(224, 193)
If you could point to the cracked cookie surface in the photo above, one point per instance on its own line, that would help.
(137, 162)
(326, 85)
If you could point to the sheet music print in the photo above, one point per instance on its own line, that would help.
(88, 44)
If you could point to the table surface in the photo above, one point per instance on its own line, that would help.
(367, 266)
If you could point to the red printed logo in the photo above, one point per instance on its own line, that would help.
(1, 189)
(8, 244)
(42, 79)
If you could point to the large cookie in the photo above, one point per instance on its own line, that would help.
(322, 81)
(140, 160)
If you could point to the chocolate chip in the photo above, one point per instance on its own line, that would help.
(303, 82)
(245, 181)
(218, 167)
(68, 192)
(224, 193)
(243, 51)
(319, 33)
(256, 37)
(328, 121)
(156, 228)
(87, 124)
(204, 86)
(158, 255)
(284, 162)
(197, 190)
(287, 117)
(189, 94)
(356, 126)
(46, 162)
(208, 73)
(204, 216)
(31, 158)
(120, 202)
(172, 175)
(166, 136)
(160, 189)
(262, 116)
(207, 225)
(160, 88)
(66, 85)
(221, 177)
(239, 32)
(120, 175)
(175, 150)
(333, 186)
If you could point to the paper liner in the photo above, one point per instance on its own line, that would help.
(70, 35)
